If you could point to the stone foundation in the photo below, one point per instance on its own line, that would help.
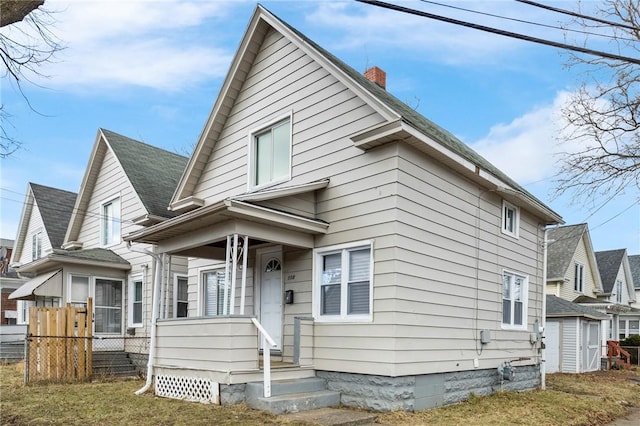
(413, 393)
(232, 394)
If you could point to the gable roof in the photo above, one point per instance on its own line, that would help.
(609, 265)
(393, 110)
(557, 307)
(562, 245)
(153, 173)
(634, 265)
(55, 207)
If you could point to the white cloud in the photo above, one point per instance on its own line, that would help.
(525, 148)
(153, 44)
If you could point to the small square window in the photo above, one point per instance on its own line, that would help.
(271, 154)
(510, 219)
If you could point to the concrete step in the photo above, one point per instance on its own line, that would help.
(292, 403)
(284, 387)
(11, 352)
(113, 364)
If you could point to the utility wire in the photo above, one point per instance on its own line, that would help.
(578, 15)
(524, 21)
(501, 32)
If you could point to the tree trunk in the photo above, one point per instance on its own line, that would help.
(12, 11)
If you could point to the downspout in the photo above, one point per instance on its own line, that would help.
(154, 313)
(543, 361)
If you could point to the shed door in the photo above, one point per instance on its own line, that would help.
(591, 342)
(552, 343)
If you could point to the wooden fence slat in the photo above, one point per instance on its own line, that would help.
(83, 345)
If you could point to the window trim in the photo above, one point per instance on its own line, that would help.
(90, 287)
(344, 317)
(516, 231)
(116, 238)
(36, 244)
(577, 265)
(251, 164)
(201, 286)
(524, 291)
(176, 278)
(131, 300)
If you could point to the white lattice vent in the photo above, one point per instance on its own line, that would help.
(187, 388)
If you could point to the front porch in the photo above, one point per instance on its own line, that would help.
(211, 359)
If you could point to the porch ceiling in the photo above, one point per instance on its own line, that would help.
(227, 217)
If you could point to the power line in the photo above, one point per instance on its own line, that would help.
(500, 32)
(524, 21)
(578, 15)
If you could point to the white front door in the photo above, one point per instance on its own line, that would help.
(271, 294)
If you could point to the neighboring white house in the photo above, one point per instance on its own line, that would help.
(377, 251)
(127, 185)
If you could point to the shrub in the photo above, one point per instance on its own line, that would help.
(631, 341)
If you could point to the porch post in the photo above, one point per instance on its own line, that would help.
(245, 250)
(233, 274)
(225, 297)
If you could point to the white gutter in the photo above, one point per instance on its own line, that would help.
(154, 313)
(543, 361)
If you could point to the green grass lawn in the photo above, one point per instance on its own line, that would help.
(584, 399)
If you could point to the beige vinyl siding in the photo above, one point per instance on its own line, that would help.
(567, 291)
(35, 224)
(297, 276)
(325, 113)
(222, 344)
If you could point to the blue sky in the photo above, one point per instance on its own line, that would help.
(151, 70)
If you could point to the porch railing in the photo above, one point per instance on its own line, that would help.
(266, 356)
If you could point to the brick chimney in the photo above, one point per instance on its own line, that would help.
(376, 75)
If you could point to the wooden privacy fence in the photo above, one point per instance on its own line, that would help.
(59, 344)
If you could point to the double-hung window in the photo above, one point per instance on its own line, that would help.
(213, 283)
(181, 304)
(271, 154)
(514, 300)
(36, 246)
(343, 283)
(79, 290)
(135, 302)
(510, 219)
(110, 222)
(578, 277)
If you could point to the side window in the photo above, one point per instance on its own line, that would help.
(110, 222)
(270, 154)
(135, 301)
(213, 292)
(510, 219)
(514, 300)
(36, 245)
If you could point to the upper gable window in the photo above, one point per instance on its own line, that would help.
(110, 222)
(618, 291)
(510, 219)
(36, 246)
(270, 160)
(578, 277)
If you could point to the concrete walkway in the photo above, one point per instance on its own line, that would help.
(631, 419)
(334, 417)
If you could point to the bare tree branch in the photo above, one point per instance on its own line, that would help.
(602, 132)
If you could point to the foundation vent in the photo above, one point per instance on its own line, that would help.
(187, 388)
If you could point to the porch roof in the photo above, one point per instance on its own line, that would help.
(229, 209)
(49, 284)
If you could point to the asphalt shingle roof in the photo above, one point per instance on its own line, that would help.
(414, 118)
(563, 242)
(634, 264)
(561, 307)
(153, 172)
(93, 254)
(609, 264)
(56, 206)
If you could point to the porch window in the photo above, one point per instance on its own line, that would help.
(108, 306)
(213, 292)
(271, 154)
(79, 291)
(510, 219)
(514, 300)
(578, 278)
(343, 283)
(622, 330)
(634, 327)
(110, 222)
(181, 303)
(135, 302)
